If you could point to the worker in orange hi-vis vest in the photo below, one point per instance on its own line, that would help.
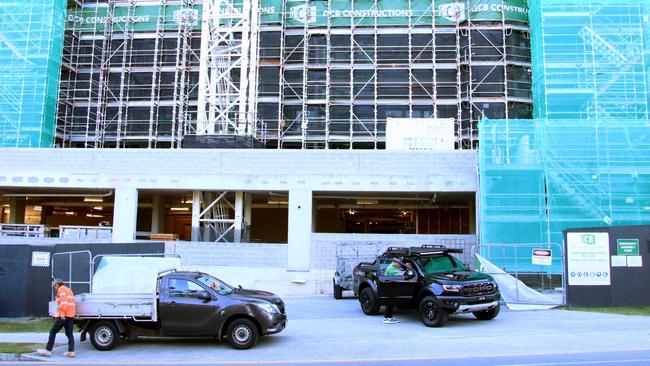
(64, 318)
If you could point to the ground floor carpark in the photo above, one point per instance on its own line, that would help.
(288, 209)
(263, 216)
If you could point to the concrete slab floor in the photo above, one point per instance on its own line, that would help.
(321, 328)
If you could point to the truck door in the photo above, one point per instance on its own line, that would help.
(394, 288)
(182, 313)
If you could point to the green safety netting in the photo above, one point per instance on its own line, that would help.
(584, 161)
(539, 177)
(590, 58)
(31, 45)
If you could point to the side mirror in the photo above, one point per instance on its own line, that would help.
(409, 274)
(203, 295)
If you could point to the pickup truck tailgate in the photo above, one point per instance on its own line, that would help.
(113, 305)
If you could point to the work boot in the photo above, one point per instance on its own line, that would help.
(68, 354)
(390, 321)
(44, 353)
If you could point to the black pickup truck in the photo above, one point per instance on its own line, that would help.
(185, 304)
(430, 279)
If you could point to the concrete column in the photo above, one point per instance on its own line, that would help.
(17, 210)
(158, 214)
(239, 216)
(474, 214)
(300, 228)
(45, 212)
(125, 215)
(248, 216)
(196, 212)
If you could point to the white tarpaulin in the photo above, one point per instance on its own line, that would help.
(515, 293)
(130, 274)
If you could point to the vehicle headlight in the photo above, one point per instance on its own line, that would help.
(451, 288)
(269, 308)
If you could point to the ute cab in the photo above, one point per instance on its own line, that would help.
(430, 279)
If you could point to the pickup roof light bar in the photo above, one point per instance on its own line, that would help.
(422, 250)
(431, 253)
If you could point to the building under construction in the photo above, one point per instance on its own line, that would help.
(287, 73)
(168, 77)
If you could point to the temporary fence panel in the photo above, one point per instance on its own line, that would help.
(528, 273)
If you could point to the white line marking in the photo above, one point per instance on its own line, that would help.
(579, 362)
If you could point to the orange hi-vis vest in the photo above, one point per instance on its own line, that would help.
(66, 302)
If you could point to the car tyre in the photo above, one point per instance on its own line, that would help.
(338, 291)
(487, 314)
(104, 336)
(242, 334)
(431, 313)
(368, 302)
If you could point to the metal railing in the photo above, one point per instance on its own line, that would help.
(65, 266)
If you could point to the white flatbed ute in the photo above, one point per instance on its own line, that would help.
(139, 307)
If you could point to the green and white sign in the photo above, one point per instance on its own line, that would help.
(588, 259)
(139, 18)
(301, 13)
(394, 12)
(628, 246)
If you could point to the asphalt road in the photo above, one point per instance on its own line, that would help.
(323, 331)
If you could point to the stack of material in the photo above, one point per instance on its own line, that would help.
(163, 236)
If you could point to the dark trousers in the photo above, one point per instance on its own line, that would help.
(388, 313)
(58, 324)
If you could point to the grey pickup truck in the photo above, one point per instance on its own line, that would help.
(185, 304)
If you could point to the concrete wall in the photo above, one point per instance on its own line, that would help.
(323, 252)
(264, 266)
(230, 254)
(242, 170)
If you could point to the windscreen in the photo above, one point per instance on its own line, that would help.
(216, 284)
(439, 264)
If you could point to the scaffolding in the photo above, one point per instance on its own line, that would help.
(332, 73)
(590, 59)
(539, 177)
(291, 73)
(129, 74)
(31, 34)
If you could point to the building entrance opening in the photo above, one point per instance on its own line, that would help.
(396, 213)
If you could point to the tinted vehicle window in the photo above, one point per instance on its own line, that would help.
(439, 264)
(183, 288)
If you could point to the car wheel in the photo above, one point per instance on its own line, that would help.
(487, 314)
(431, 313)
(368, 302)
(338, 291)
(104, 336)
(242, 334)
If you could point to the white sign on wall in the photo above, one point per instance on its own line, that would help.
(588, 259)
(40, 259)
(420, 134)
(542, 257)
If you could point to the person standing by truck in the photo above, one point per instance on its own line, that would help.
(64, 318)
(393, 269)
